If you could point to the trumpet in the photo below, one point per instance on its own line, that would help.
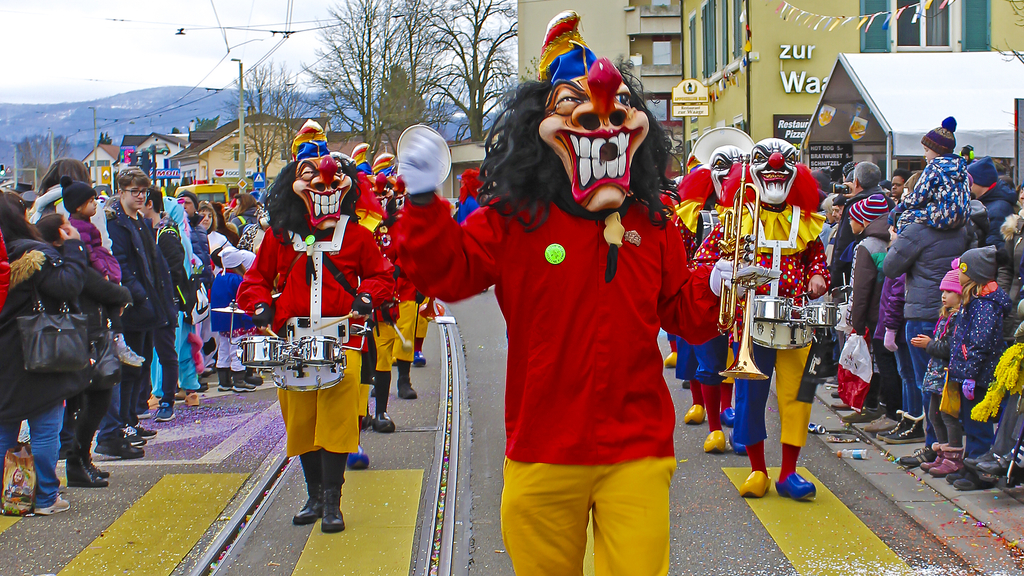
(743, 249)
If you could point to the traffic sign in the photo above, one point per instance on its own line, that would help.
(684, 110)
(170, 173)
(259, 181)
(218, 172)
(242, 184)
(105, 175)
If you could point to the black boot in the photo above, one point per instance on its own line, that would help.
(79, 476)
(313, 509)
(87, 462)
(381, 390)
(251, 377)
(405, 390)
(224, 379)
(333, 520)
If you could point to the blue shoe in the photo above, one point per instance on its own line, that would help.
(165, 413)
(419, 360)
(728, 417)
(796, 487)
(740, 449)
(358, 460)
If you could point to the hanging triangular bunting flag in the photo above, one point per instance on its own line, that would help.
(779, 9)
(870, 22)
(862, 21)
(900, 11)
(927, 4)
(917, 12)
(885, 25)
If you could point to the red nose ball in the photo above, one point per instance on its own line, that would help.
(776, 160)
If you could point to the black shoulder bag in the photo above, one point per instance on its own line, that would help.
(54, 342)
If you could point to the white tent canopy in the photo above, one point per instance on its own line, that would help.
(909, 94)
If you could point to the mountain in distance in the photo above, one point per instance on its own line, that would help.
(136, 112)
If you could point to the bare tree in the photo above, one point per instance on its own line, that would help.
(273, 104)
(34, 152)
(477, 38)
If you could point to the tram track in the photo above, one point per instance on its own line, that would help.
(439, 526)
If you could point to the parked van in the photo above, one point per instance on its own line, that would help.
(208, 192)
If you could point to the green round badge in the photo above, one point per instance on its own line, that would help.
(554, 254)
(310, 240)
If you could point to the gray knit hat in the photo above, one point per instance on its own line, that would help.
(979, 264)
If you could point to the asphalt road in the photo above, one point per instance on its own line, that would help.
(714, 531)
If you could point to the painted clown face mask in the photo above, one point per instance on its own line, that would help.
(322, 186)
(722, 160)
(593, 128)
(773, 169)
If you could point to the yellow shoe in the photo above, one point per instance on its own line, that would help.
(756, 485)
(695, 415)
(715, 442)
(670, 360)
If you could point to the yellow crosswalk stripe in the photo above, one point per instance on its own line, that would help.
(156, 533)
(821, 538)
(380, 509)
(8, 521)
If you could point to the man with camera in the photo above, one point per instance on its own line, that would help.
(863, 182)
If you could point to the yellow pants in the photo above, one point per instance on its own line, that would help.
(422, 323)
(389, 345)
(545, 509)
(327, 418)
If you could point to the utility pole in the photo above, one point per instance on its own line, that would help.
(15, 166)
(51, 145)
(95, 144)
(241, 125)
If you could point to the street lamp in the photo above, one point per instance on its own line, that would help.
(241, 127)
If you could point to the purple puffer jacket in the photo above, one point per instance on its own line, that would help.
(890, 308)
(99, 257)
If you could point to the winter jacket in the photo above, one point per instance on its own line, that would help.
(100, 299)
(225, 290)
(924, 254)
(201, 247)
(941, 199)
(1001, 203)
(890, 305)
(5, 272)
(247, 218)
(867, 277)
(1008, 277)
(99, 257)
(841, 268)
(168, 240)
(466, 207)
(144, 271)
(977, 341)
(938, 349)
(53, 201)
(58, 277)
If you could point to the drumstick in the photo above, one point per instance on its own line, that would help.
(267, 330)
(337, 320)
(405, 343)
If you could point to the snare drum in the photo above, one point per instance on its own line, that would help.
(821, 315)
(781, 335)
(310, 379)
(320, 351)
(773, 309)
(263, 351)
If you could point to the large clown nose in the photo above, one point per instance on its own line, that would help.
(603, 81)
(328, 168)
(776, 160)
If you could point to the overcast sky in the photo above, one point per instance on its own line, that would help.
(70, 50)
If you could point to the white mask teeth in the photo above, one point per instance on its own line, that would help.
(588, 157)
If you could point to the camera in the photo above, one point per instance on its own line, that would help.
(841, 189)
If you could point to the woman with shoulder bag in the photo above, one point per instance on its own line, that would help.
(102, 301)
(40, 275)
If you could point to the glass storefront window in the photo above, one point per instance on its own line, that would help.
(932, 29)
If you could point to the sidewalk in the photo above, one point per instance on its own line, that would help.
(985, 527)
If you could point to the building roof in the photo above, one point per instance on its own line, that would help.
(133, 139)
(111, 150)
(908, 94)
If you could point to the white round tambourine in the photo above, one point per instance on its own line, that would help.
(424, 131)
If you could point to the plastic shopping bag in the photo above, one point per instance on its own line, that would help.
(844, 319)
(19, 487)
(855, 371)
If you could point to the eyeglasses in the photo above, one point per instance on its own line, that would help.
(137, 192)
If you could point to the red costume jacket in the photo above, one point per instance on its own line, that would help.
(584, 381)
(5, 272)
(405, 291)
(359, 260)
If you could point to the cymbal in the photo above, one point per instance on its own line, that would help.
(229, 310)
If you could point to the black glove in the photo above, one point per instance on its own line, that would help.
(264, 315)
(363, 304)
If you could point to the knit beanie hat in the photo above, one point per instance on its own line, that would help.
(983, 171)
(75, 193)
(951, 282)
(869, 209)
(941, 139)
(979, 264)
(191, 196)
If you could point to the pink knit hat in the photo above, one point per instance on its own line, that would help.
(951, 281)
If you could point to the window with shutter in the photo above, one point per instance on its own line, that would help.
(977, 17)
(739, 37)
(693, 45)
(710, 45)
(724, 29)
(875, 39)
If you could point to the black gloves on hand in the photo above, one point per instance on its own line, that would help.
(363, 304)
(264, 315)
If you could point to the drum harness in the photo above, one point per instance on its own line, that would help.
(778, 246)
